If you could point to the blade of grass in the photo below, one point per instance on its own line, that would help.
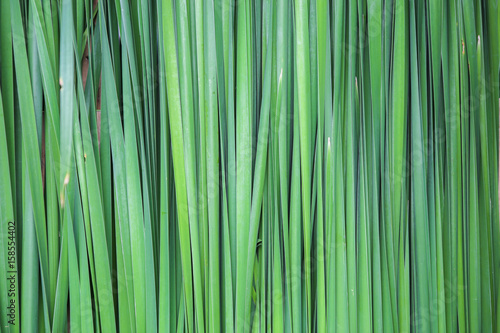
(351, 168)
(6, 220)
(244, 154)
(174, 109)
(212, 154)
(30, 144)
(187, 110)
(7, 86)
(29, 280)
(304, 100)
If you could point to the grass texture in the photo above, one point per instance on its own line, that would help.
(250, 166)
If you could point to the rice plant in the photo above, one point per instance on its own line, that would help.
(249, 166)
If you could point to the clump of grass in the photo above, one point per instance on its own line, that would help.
(280, 166)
